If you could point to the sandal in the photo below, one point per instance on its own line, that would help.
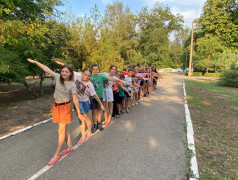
(80, 142)
(104, 123)
(107, 123)
(117, 116)
(66, 152)
(54, 160)
(88, 136)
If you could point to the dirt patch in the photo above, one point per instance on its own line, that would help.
(18, 109)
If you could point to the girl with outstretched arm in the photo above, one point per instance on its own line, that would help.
(62, 108)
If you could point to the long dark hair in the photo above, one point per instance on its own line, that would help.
(112, 66)
(70, 68)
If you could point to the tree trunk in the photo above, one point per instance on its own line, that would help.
(28, 88)
(41, 82)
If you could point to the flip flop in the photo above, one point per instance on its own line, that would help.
(104, 123)
(107, 123)
(81, 142)
(88, 136)
(54, 160)
(66, 152)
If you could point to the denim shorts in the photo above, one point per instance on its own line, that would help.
(84, 107)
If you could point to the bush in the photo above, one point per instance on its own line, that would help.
(197, 74)
(230, 77)
(212, 74)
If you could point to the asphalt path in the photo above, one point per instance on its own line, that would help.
(145, 144)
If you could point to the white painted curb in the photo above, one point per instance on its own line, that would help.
(24, 129)
(191, 144)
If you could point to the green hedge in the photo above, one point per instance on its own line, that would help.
(212, 74)
(230, 77)
(197, 74)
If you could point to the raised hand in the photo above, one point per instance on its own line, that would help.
(30, 60)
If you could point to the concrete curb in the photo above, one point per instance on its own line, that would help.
(190, 138)
(24, 129)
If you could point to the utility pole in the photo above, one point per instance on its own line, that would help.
(191, 54)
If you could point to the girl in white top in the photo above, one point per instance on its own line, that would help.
(62, 109)
(85, 90)
(108, 93)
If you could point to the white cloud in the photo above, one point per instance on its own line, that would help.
(190, 9)
(106, 2)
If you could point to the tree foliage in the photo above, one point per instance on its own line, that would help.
(220, 19)
(230, 77)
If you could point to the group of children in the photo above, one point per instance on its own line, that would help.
(114, 92)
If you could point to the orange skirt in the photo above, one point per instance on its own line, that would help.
(62, 114)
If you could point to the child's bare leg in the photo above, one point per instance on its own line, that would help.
(110, 106)
(68, 139)
(105, 111)
(88, 123)
(61, 139)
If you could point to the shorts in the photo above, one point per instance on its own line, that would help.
(84, 107)
(120, 99)
(108, 95)
(127, 95)
(94, 104)
(136, 90)
(142, 82)
(62, 114)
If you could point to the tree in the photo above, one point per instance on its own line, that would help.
(207, 49)
(25, 10)
(219, 18)
(155, 25)
(224, 59)
(177, 47)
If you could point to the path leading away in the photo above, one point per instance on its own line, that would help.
(146, 144)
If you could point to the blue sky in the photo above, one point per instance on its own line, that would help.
(190, 9)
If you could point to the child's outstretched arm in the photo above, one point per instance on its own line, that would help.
(42, 66)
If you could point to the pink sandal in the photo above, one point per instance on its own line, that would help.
(88, 136)
(54, 160)
(81, 142)
(66, 152)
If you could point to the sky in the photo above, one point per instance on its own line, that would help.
(190, 9)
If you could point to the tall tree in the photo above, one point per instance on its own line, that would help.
(219, 18)
(155, 25)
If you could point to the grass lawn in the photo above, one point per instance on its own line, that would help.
(214, 113)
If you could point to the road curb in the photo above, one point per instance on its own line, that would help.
(190, 139)
(24, 129)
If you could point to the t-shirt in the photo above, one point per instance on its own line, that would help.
(115, 86)
(84, 89)
(109, 84)
(121, 91)
(141, 75)
(129, 80)
(97, 82)
(63, 92)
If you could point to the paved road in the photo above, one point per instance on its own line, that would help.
(147, 144)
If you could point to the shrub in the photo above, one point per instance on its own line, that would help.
(230, 77)
(212, 74)
(197, 73)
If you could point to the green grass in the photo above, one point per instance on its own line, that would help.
(214, 112)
